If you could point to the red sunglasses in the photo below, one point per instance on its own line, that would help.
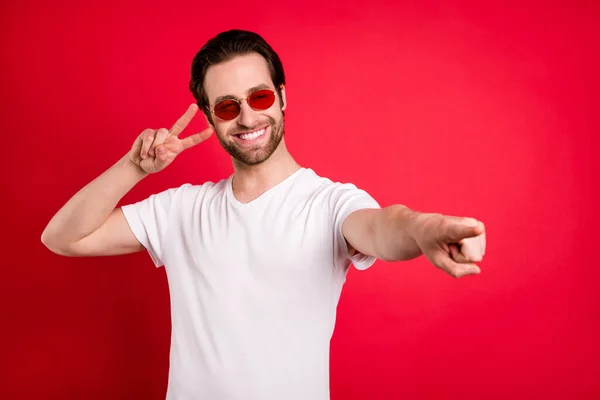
(259, 100)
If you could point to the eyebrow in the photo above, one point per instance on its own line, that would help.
(252, 89)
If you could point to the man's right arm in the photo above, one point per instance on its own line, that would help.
(89, 224)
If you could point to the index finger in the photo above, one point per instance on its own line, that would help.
(184, 120)
(463, 228)
(458, 233)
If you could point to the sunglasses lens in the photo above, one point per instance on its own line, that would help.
(261, 99)
(227, 109)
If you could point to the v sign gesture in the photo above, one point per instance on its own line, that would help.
(154, 150)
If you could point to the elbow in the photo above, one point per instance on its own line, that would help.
(53, 245)
(46, 240)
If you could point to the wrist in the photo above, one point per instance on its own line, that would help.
(419, 223)
(131, 168)
(401, 238)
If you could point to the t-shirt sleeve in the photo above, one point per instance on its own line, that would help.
(347, 198)
(149, 221)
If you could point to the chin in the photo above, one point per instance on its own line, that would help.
(253, 157)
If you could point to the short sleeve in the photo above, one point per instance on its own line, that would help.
(347, 198)
(149, 220)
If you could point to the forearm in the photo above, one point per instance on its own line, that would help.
(89, 208)
(395, 228)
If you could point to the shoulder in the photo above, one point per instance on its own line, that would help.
(333, 193)
(186, 193)
(194, 192)
(327, 185)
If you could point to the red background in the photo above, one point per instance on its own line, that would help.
(488, 111)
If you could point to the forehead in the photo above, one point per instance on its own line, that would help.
(234, 77)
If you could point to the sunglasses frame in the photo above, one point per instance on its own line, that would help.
(239, 101)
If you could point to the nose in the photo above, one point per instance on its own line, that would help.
(248, 117)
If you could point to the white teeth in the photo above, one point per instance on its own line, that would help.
(253, 135)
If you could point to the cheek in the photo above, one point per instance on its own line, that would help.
(276, 114)
(223, 128)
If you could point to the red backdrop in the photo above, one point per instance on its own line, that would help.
(488, 111)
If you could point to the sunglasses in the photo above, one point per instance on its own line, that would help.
(259, 100)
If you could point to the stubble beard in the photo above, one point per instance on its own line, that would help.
(255, 155)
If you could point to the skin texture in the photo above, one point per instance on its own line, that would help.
(238, 78)
(266, 162)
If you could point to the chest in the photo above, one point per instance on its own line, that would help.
(289, 248)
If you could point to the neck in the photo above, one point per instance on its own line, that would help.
(250, 181)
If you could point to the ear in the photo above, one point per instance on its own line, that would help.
(283, 98)
(208, 120)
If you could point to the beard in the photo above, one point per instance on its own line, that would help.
(258, 154)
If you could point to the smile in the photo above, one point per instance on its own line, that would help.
(252, 135)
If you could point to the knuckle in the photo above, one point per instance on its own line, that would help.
(147, 140)
(147, 132)
(454, 272)
(444, 227)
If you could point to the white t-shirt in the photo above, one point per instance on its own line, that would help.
(254, 287)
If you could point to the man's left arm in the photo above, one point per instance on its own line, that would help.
(397, 233)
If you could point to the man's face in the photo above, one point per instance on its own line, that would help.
(253, 135)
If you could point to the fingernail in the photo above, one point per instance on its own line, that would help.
(161, 150)
(472, 222)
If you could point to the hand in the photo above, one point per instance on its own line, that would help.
(452, 244)
(154, 150)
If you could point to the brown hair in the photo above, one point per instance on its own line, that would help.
(225, 46)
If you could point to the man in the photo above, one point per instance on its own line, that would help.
(255, 262)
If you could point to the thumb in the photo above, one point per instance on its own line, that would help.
(161, 160)
(457, 270)
(196, 138)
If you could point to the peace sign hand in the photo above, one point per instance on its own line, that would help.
(154, 150)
